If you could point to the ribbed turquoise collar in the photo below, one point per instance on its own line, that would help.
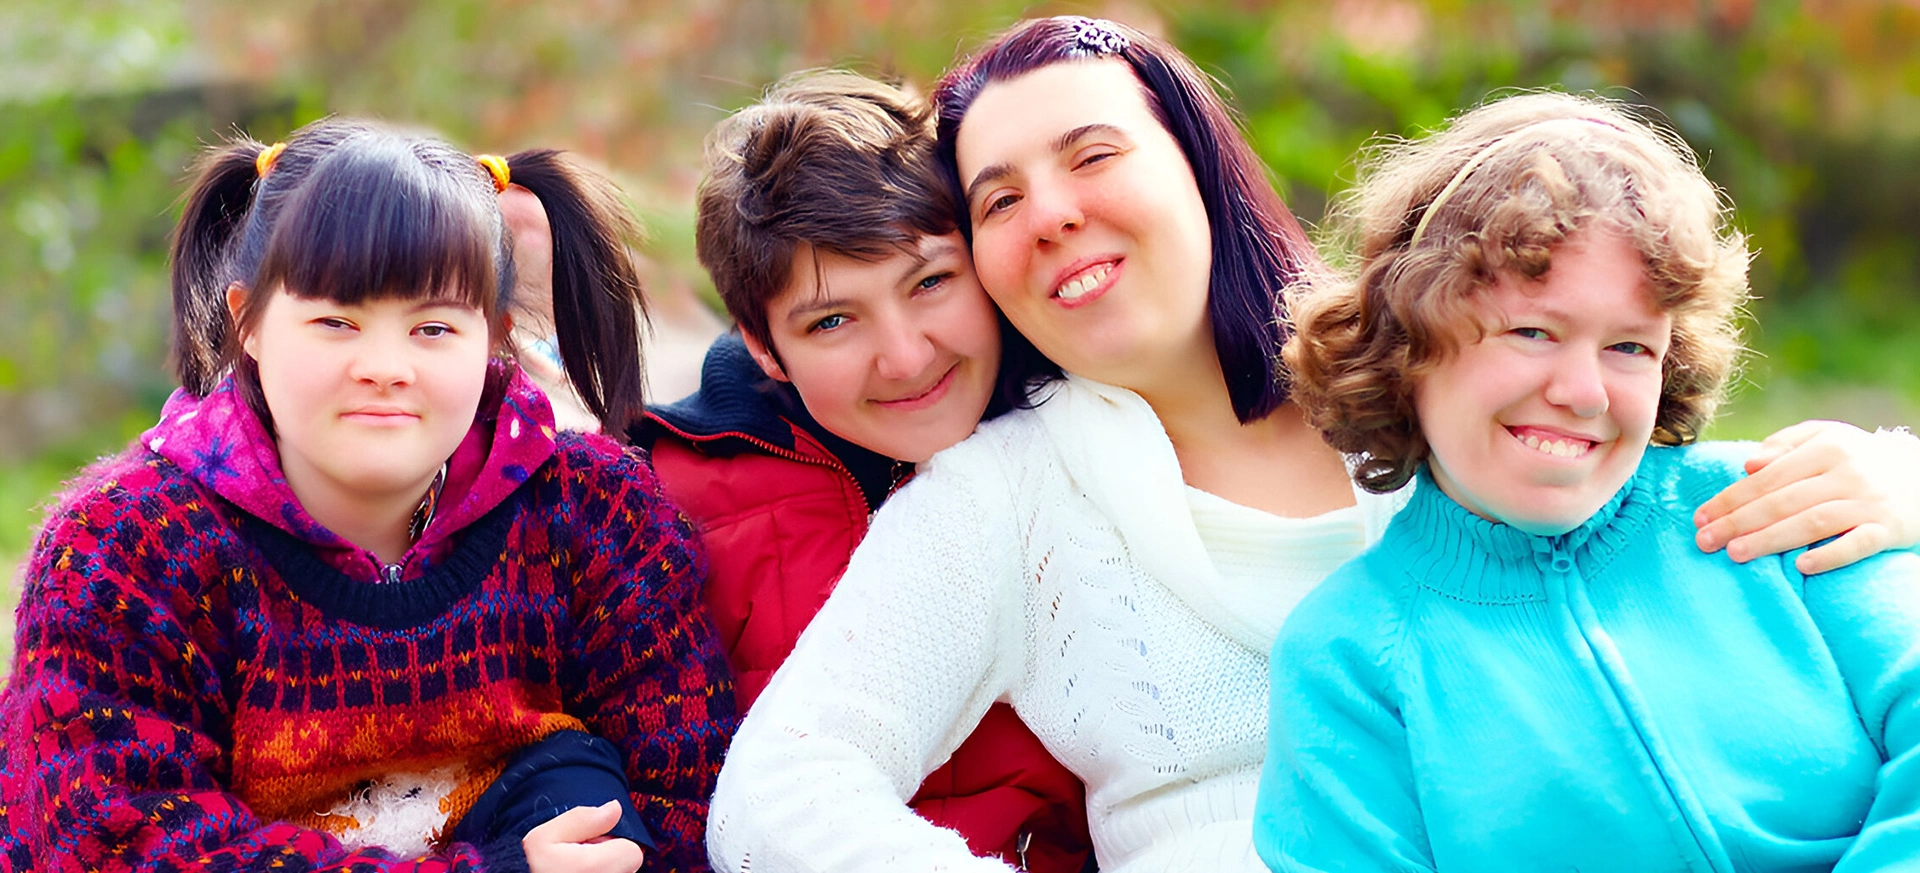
(1458, 554)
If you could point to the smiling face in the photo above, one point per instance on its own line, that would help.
(1539, 422)
(368, 400)
(897, 355)
(1087, 226)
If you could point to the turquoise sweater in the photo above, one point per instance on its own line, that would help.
(1466, 697)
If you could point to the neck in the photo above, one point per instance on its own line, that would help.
(377, 523)
(1277, 463)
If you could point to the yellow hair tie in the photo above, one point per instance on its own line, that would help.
(497, 168)
(263, 162)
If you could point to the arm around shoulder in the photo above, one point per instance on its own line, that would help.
(921, 635)
(1337, 790)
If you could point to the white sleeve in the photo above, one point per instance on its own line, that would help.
(922, 634)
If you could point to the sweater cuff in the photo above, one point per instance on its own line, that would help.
(567, 769)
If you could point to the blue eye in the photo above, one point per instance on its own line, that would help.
(828, 323)
(1532, 333)
(931, 282)
(1630, 348)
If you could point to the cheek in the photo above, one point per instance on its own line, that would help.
(969, 325)
(830, 381)
(998, 264)
(1639, 403)
(297, 382)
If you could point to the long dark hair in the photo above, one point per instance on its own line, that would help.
(350, 211)
(1258, 246)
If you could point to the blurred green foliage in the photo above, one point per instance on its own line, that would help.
(1807, 113)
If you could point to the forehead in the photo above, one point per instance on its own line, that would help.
(1025, 114)
(1595, 277)
(284, 299)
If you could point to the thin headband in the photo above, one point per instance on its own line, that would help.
(1480, 157)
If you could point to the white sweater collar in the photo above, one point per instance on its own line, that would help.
(1117, 453)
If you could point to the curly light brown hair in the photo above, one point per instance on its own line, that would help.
(1431, 223)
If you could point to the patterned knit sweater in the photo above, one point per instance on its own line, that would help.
(207, 679)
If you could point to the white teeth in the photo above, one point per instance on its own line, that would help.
(1557, 448)
(1078, 287)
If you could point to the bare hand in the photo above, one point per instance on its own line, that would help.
(576, 841)
(1814, 480)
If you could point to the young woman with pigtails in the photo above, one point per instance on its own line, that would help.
(353, 603)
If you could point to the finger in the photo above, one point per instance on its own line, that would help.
(1789, 504)
(576, 825)
(1785, 440)
(1861, 542)
(1800, 465)
(1811, 525)
(609, 856)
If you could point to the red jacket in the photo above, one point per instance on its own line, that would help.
(781, 504)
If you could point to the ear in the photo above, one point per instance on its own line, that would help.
(764, 356)
(236, 300)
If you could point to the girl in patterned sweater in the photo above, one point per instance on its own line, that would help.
(353, 603)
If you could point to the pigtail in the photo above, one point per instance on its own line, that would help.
(597, 304)
(216, 208)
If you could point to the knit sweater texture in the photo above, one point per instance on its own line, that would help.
(1050, 560)
(1468, 697)
(205, 678)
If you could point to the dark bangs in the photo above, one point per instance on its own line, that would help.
(1258, 246)
(388, 218)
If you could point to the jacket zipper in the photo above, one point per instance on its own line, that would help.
(828, 462)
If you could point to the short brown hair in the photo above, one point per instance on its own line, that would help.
(828, 159)
(1506, 181)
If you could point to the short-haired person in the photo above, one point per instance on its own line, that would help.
(1535, 668)
(865, 345)
(1116, 560)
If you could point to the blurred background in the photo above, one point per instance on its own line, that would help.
(1808, 114)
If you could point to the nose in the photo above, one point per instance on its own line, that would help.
(905, 349)
(1053, 211)
(1578, 384)
(382, 361)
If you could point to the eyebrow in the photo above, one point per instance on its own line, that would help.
(928, 253)
(996, 172)
(818, 304)
(1565, 317)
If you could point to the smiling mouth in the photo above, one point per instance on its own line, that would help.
(1079, 286)
(1557, 445)
(922, 398)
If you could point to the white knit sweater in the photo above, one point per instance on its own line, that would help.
(1050, 560)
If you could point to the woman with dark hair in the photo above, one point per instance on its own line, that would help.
(353, 603)
(1114, 559)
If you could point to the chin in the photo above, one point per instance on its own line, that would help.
(1548, 518)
